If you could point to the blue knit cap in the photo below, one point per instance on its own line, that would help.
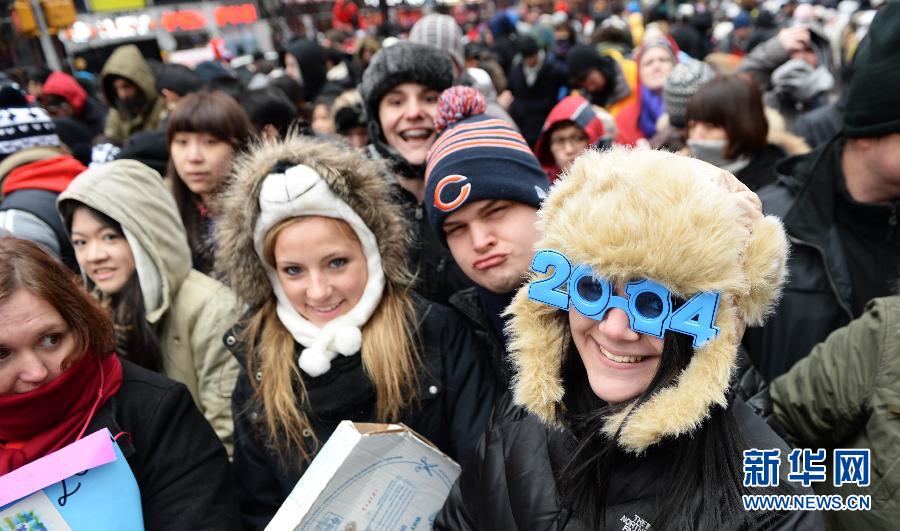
(477, 157)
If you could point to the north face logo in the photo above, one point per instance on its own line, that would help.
(634, 524)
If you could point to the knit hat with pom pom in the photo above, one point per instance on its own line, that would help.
(477, 157)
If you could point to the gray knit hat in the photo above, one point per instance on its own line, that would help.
(404, 62)
(684, 81)
(441, 32)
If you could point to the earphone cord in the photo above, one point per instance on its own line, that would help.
(96, 402)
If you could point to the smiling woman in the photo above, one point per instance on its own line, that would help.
(311, 241)
(321, 266)
(134, 254)
(60, 380)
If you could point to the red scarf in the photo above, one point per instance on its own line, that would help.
(39, 422)
(53, 174)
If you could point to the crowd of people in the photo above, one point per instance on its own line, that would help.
(593, 256)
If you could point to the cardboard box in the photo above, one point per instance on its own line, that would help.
(369, 477)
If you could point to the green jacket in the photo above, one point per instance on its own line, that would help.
(190, 311)
(127, 61)
(846, 394)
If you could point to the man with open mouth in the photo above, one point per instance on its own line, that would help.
(400, 90)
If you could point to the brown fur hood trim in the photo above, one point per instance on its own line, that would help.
(633, 214)
(360, 182)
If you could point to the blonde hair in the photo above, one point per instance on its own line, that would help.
(389, 353)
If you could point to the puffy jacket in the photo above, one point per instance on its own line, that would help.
(846, 394)
(179, 464)
(456, 394)
(189, 310)
(127, 62)
(467, 303)
(512, 482)
(30, 182)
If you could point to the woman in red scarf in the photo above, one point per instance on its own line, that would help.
(60, 380)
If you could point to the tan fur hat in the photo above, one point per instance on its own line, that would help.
(632, 214)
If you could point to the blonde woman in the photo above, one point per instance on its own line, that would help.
(310, 240)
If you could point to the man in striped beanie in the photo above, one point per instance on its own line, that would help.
(483, 186)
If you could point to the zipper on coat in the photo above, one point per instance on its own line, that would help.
(837, 295)
(892, 220)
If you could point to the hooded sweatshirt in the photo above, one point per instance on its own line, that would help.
(127, 62)
(189, 311)
(310, 57)
(577, 111)
(87, 111)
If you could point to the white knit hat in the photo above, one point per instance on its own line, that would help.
(301, 191)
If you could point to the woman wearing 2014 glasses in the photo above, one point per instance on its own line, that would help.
(623, 346)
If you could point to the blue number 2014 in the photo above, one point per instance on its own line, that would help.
(648, 306)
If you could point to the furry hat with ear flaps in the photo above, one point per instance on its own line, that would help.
(633, 214)
(358, 181)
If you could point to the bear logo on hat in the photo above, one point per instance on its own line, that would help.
(460, 198)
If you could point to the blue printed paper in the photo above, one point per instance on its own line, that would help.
(103, 498)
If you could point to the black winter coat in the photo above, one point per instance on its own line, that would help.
(437, 275)
(818, 295)
(532, 104)
(180, 465)
(469, 305)
(512, 481)
(761, 169)
(456, 396)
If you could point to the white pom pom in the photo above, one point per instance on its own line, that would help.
(314, 362)
(347, 340)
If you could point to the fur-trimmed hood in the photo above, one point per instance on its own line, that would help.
(632, 214)
(358, 181)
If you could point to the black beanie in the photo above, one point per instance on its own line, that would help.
(404, 62)
(873, 102)
(528, 46)
(348, 117)
(581, 59)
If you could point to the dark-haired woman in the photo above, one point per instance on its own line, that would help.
(205, 132)
(132, 249)
(60, 380)
(622, 419)
(729, 128)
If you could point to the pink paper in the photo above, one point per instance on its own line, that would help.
(88, 452)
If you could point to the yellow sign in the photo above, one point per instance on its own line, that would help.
(116, 5)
